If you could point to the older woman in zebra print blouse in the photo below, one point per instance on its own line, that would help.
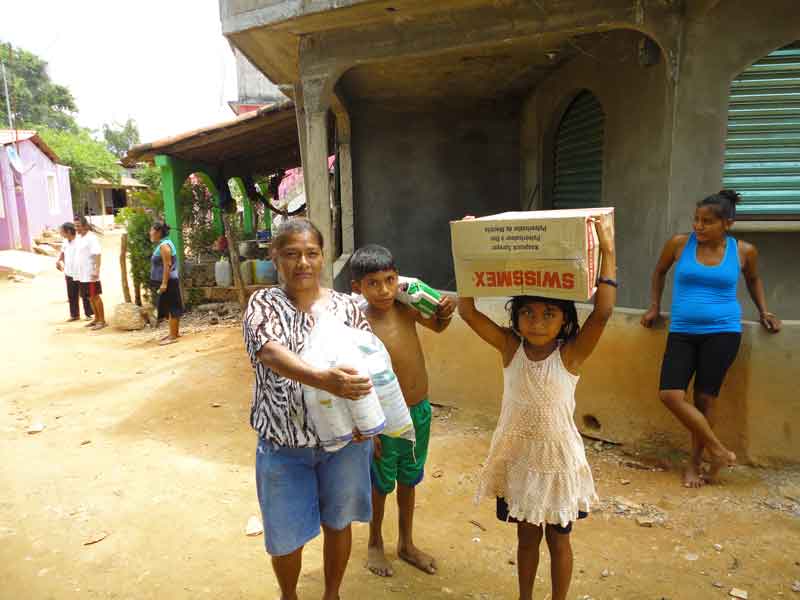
(300, 486)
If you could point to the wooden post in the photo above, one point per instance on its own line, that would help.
(233, 254)
(123, 267)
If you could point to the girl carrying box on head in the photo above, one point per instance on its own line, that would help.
(537, 468)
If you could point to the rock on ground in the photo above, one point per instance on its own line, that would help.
(128, 317)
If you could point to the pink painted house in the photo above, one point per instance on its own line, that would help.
(34, 189)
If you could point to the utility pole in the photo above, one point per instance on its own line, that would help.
(8, 100)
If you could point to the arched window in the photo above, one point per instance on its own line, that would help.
(762, 148)
(578, 161)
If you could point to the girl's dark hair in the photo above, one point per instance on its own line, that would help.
(571, 325)
(161, 227)
(370, 259)
(723, 203)
(85, 222)
(295, 226)
(68, 228)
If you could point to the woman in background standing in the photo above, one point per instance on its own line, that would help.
(705, 323)
(87, 260)
(67, 265)
(164, 281)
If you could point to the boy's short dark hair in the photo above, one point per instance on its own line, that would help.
(370, 259)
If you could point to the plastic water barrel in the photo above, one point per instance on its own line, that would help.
(272, 272)
(223, 273)
(265, 272)
(246, 269)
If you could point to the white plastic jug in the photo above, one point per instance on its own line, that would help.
(246, 269)
(223, 274)
(330, 417)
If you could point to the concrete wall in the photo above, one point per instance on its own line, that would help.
(34, 184)
(413, 172)
(718, 46)
(27, 212)
(9, 214)
(635, 152)
(653, 184)
(253, 86)
(758, 403)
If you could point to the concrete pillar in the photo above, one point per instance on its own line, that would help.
(343, 135)
(316, 181)
(314, 100)
(300, 114)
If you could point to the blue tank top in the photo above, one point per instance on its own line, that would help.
(704, 298)
(157, 263)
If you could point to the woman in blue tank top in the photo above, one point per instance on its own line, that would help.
(164, 281)
(705, 323)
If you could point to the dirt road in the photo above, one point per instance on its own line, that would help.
(134, 449)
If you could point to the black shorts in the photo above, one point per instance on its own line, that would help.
(707, 356)
(502, 514)
(90, 289)
(169, 304)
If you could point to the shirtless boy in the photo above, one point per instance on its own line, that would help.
(397, 460)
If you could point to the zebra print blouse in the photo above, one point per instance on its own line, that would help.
(277, 411)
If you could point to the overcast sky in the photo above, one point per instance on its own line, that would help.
(162, 62)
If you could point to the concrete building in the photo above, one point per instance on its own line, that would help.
(254, 89)
(102, 200)
(440, 109)
(34, 189)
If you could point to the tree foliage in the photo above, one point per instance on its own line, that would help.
(120, 138)
(197, 205)
(138, 222)
(35, 100)
(48, 108)
(87, 158)
(148, 174)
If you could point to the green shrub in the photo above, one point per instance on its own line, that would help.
(137, 222)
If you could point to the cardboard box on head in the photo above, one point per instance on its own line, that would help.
(551, 253)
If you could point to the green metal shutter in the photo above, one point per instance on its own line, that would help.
(762, 150)
(578, 166)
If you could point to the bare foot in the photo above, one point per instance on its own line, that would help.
(167, 340)
(417, 558)
(691, 476)
(725, 458)
(377, 563)
(98, 326)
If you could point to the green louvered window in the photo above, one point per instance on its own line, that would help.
(578, 161)
(762, 150)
